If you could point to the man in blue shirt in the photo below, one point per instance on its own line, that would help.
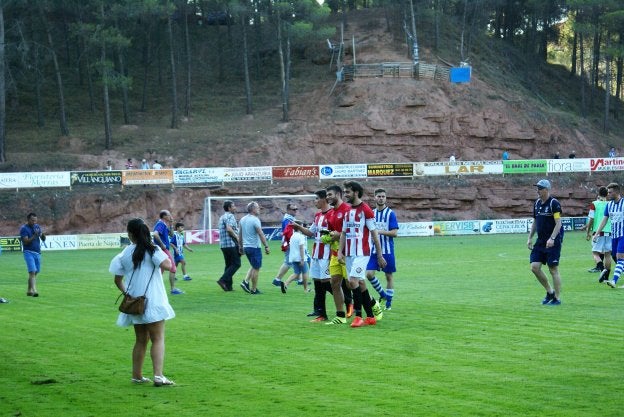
(161, 238)
(547, 247)
(30, 235)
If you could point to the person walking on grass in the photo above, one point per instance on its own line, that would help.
(387, 229)
(228, 240)
(137, 270)
(319, 267)
(249, 237)
(178, 241)
(287, 220)
(614, 212)
(31, 236)
(601, 248)
(161, 239)
(547, 247)
(358, 232)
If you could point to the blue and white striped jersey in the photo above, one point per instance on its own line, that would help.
(385, 220)
(615, 212)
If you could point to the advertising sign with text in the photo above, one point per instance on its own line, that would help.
(465, 227)
(34, 179)
(247, 174)
(100, 241)
(390, 170)
(197, 175)
(11, 243)
(537, 166)
(569, 165)
(296, 172)
(343, 171)
(95, 178)
(60, 242)
(458, 168)
(504, 226)
(606, 164)
(147, 176)
(413, 229)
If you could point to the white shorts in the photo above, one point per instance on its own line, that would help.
(319, 269)
(602, 244)
(356, 266)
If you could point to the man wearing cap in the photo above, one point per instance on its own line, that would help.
(547, 247)
(614, 212)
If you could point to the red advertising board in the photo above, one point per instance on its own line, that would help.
(296, 172)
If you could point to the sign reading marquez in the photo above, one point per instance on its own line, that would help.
(296, 172)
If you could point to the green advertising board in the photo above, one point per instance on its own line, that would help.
(538, 166)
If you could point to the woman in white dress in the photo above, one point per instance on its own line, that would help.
(137, 268)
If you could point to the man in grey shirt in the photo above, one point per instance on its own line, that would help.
(250, 236)
(228, 240)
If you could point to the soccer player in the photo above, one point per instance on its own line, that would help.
(601, 248)
(179, 242)
(319, 268)
(337, 270)
(547, 247)
(387, 229)
(288, 219)
(249, 237)
(358, 231)
(614, 212)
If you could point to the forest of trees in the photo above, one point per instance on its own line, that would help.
(104, 47)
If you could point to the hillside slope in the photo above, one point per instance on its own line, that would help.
(367, 120)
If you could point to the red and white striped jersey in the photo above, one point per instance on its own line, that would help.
(357, 226)
(320, 250)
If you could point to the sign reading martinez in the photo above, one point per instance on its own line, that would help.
(606, 164)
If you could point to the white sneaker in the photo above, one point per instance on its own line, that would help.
(160, 380)
(611, 283)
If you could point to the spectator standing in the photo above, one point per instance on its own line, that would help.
(228, 240)
(144, 164)
(572, 155)
(129, 164)
(109, 165)
(250, 237)
(156, 164)
(612, 153)
(547, 247)
(137, 270)
(31, 236)
(505, 156)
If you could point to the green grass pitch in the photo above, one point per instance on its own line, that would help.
(467, 336)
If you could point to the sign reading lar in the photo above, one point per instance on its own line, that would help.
(390, 170)
(464, 169)
(11, 244)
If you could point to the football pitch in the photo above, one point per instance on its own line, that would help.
(467, 336)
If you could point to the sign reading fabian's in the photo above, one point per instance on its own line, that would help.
(296, 172)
